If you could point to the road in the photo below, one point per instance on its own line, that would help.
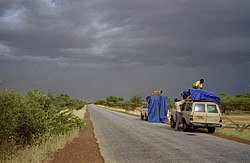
(125, 138)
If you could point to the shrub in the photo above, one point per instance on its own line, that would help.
(63, 101)
(136, 101)
(27, 120)
(101, 102)
(126, 104)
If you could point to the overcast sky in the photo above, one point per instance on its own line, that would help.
(91, 49)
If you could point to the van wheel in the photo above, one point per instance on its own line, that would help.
(142, 116)
(211, 129)
(185, 126)
(146, 117)
(172, 122)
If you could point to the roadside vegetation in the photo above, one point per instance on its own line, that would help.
(238, 103)
(236, 116)
(33, 120)
(129, 104)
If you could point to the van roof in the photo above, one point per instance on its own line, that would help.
(203, 101)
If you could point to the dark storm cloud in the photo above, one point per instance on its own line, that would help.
(180, 31)
(95, 48)
(129, 32)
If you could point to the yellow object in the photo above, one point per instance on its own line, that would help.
(197, 85)
(156, 92)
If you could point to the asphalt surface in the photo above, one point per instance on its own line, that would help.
(125, 138)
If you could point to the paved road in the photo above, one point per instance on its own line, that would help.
(125, 138)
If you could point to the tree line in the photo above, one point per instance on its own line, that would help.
(127, 104)
(239, 102)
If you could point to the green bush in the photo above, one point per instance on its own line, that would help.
(26, 120)
(38, 99)
(63, 123)
(136, 101)
(112, 101)
(11, 104)
(63, 101)
(126, 104)
(101, 102)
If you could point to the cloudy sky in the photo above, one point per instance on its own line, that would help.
(91, 49)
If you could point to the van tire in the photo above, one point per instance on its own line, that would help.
(172, 122)
(142, 116)
(186, 127)
(195, 128)
(211, 129)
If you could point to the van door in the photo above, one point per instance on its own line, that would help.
(199, 113)
(184, 112)
(213, 113)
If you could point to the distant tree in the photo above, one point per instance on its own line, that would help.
(113, 101)
(101, 102)
(171, 103)
(137, 101)
(126, 104)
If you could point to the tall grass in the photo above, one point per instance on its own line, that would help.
(43, 152)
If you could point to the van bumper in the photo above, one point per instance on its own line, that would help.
(205, 125)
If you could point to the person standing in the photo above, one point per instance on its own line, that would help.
(198, 84)
(178, 112)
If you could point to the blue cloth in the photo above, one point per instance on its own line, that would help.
(184, 93)
(198, 94)
(157, 108)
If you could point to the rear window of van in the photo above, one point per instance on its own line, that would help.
(199, 108)
(212, 109)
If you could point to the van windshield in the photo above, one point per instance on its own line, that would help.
(199, 108)
(212, 109)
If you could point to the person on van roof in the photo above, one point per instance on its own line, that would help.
(198, 84)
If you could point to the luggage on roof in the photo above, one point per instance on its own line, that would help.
(198, 95)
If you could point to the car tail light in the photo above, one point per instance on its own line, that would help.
(191, 118)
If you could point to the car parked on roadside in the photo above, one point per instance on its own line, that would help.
(198, 114)
(144, 113)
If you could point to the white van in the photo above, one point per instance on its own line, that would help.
(144, 113)
(198, 114)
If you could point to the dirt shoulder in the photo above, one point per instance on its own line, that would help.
(232, 138)
(82, 149)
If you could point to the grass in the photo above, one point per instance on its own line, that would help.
(45, 151)
(245, 135)
(235, 122)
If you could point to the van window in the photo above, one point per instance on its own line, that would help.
(183, 106)
(199, 108)
(212, 109)
(189, 107)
